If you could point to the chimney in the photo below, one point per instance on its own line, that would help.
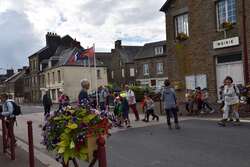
(118, 44)
(9, 72)
(53, 40)
(19, 70)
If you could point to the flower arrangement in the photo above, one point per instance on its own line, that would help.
(227, 25)
(182, 36)
(67, 132)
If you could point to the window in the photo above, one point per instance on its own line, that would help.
(123, 73)
(181, 24)
(48, 79)
(98, 74)
(159, 50)
(53, 77)
(226, 12)
(145, 69)
(132, 72)
(59, 76)
(159, 68)
(194, 81)
(112, 74)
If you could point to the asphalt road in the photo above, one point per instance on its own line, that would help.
(197, 144)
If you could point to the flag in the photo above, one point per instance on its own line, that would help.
(86, 54)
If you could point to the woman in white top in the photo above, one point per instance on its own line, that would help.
(231, 99)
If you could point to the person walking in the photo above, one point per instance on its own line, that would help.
(125, 110)
(103, 94)
(83, 97)
(130, 95)
(170, 104)
(47, 103)
(63, 99)
(205, 103)
(149, 105)
(231, 100)
(198, 100)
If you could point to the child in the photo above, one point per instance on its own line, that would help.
(118, 111)
(198, 100)
(149, 104)
(205, 103)
(125, 111)
(189, 101)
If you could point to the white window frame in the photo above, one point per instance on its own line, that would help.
(185, 25)
(159, 68)
(112, 74)
(132, 72)
(193, 81)
(227, 17)
(123, 73)
(159, 50)
(145, 69)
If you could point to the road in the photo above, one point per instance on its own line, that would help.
(197, 144)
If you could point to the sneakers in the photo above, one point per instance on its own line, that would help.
(222, 123)
(237, 122)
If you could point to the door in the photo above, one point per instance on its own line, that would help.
(235, 70)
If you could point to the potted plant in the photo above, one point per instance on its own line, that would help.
(227, 25)
(182, 36)
(72, 134)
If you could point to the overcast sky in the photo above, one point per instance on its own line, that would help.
(24, 23)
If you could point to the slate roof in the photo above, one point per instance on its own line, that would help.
(165, 6)
(15, 77)
(128, 53)
(148, 50)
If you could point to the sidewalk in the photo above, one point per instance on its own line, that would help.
(22, 158)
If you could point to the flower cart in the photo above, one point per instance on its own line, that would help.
(72, 134)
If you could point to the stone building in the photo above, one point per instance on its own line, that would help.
(39, 60)
(206, 42)
(151, 63)
(122, 66)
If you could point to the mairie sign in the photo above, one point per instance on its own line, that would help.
(226, 43)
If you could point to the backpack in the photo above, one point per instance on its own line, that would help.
(16, 109)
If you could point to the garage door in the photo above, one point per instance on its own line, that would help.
(235, 70)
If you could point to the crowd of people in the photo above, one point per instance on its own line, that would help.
(197, 101)
(118, 104)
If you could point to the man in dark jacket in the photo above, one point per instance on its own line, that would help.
(47, 103)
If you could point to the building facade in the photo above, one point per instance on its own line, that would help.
(205, 41)
(151, 69)
(40, 60)
(68, 78)
(122, 68)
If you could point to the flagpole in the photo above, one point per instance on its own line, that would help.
(95, 68)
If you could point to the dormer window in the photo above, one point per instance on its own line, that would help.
(159, 50)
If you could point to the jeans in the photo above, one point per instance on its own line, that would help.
(102, 106)
(172, 111)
